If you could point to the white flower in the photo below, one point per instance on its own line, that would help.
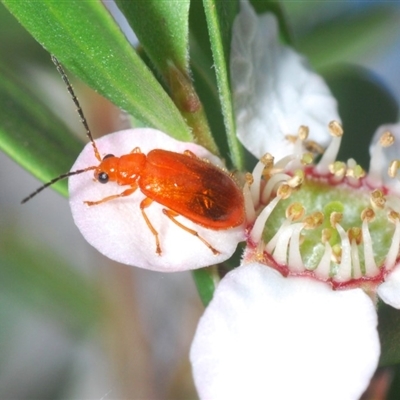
(274, 90)
(117, 227)
(297, 319)
(268, 337)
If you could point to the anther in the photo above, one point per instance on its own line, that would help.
(393, 168)
(303, 132)
(313, 220)
(338, 169)
(307, 159)
(368, 214)
(335, 218)
(377, 199)
(335, 129)
(295, 211)
(284, 191)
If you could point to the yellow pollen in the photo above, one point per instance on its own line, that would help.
(313, 220)
(284, 191)
(249, 178)
(393, 216)
(387, 139)
(296, 180)
(335, 218)
(393, 168)
(268, 160)
(335, 129)
(377, 199)
(295, 211)
(302, 133)
(368, 214)
(338, 168)
(307, 159)
(356, 172)
(355, 234)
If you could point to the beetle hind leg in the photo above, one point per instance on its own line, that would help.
(172, 215)
(144, 204)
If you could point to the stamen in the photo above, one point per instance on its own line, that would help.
(377, 161)
(393, 252)
(355, 261)
(272, 243)
(266, 162)
(248, 199)
(371, 268)
(258, 227)
(324, 267)
(295, 260)
(281, 249)
(338, 169)
(355, 237)
(331, 152)
(354, 172)
(344, 271)
(271, 184)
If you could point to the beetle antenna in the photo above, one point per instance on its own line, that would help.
(59, 178)
(64, 77)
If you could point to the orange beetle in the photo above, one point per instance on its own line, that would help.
(185, 184)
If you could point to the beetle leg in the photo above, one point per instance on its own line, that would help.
(126, 192)
(144, 204)
(136, 150)
(172, 215)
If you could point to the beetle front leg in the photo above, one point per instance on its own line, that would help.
(125, 193)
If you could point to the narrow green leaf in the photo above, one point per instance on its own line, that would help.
(167, 39)
(85, 38)
(220, 16)
(32, 135)
(206, 281)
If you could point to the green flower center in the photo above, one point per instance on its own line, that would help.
(328, 221)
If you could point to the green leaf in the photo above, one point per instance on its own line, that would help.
(220, 16)
(85, 38)
(350, 37)
(206, 280)
(389, 334)
(167, 39)
(32, 135)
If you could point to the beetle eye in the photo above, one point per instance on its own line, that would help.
(108, 156)
(102, 177)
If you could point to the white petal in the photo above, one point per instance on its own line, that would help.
(264, 336)
(389, 291)
(274, 89)
(117, 228)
